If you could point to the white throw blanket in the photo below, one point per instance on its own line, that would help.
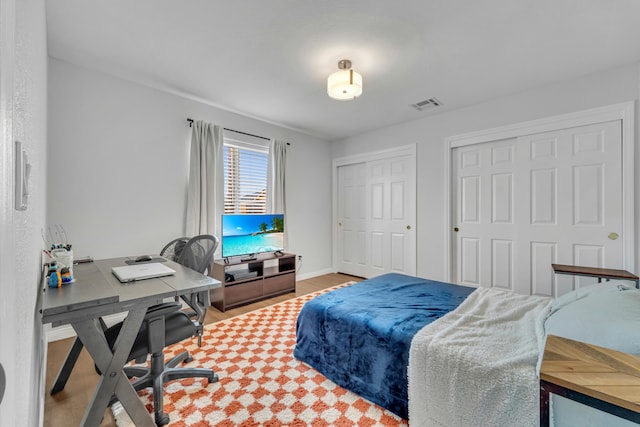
(477, 366)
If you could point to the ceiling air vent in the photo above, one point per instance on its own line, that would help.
(427, 104)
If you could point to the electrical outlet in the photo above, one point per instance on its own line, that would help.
(299, 257)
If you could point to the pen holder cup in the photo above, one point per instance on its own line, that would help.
(65, 259)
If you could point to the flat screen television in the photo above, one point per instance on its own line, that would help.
(251, 234)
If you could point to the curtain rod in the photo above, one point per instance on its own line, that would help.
(237, 131)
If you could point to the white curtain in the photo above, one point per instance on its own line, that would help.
(276, 181)
(206, 180)
(276, 176)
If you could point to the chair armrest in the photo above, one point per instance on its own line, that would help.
(198, 302)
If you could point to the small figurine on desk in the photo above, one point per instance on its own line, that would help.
(55, 279)
(66, 275)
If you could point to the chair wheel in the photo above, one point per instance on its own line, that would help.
(189, 359)
(162, 420)
(213, 378)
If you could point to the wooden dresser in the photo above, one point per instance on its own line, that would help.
(599, 273)
(599, 377)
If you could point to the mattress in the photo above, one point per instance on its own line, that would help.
(359, 336)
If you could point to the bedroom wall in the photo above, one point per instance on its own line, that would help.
(429, 134)
(118, 163)
(23, 117)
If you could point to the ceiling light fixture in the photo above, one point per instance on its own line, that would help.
(345, 84)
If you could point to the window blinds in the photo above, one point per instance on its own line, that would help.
(245, 177)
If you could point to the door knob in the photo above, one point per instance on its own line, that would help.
(613, 236)
(456, 229)
(408, 227)
(339, 224)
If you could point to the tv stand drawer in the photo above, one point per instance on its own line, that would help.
(242, 292)
(279, 283)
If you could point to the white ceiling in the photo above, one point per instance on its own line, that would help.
(269, 59)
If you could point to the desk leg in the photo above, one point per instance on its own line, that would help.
(70, 362)
(67, 366)
(111, 364)
(544, 405)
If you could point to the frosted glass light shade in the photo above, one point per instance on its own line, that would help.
(344, 85)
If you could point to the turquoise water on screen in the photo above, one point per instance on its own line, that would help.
(250, 244)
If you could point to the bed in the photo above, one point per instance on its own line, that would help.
(443, 354)
(359, 336)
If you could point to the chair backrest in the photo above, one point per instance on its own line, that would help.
(197, 252)
(174, 248)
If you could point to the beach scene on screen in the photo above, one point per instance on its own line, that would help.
(252, 234)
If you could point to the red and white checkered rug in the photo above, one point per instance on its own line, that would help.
(261, 383)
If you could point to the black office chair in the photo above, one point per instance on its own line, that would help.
(173, 249)
(167, 324)
(195, 253)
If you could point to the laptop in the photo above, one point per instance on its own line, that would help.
(129, 273)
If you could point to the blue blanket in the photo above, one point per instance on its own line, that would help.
(359, 336)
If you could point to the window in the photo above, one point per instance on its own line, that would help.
(245, 175)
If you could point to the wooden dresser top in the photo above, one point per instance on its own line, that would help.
(609, 273)
(599, 372)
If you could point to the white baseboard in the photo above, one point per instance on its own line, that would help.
(314, 274)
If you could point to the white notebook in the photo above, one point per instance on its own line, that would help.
(129, 273)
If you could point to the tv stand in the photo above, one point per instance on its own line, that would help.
(249, 280)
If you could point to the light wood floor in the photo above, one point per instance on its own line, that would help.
(67, 407)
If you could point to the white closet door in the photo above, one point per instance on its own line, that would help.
(484, 214)
(392, 201)
(523, 204)
(376, 217)
(352, 219)
(574, 205)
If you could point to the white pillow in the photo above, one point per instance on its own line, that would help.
(605, 314)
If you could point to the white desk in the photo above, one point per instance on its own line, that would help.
(96, 293)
